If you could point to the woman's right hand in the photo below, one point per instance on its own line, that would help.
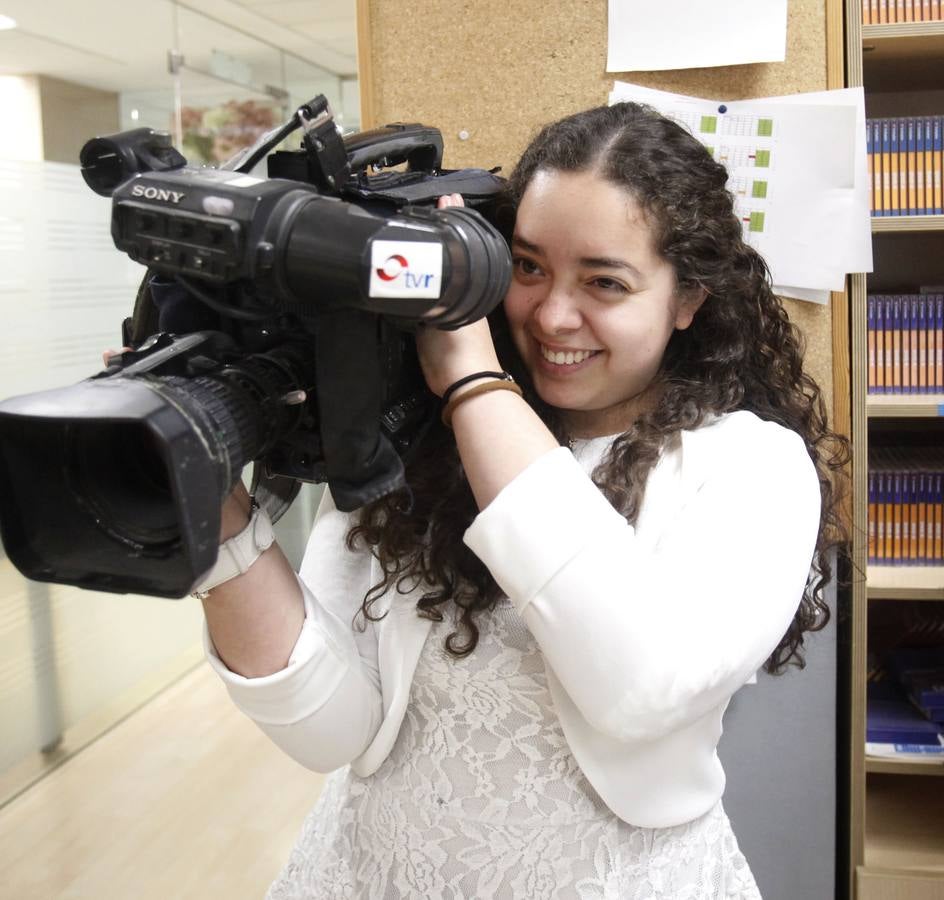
(254, 619)
(108, 355)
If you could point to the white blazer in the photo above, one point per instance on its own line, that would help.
(646, 631)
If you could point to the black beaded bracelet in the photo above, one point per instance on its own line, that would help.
(501, 376)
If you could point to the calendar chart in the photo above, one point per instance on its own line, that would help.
(797, 174)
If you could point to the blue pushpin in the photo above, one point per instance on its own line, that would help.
(722, 108)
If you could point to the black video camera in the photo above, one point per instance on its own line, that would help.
(274, 326)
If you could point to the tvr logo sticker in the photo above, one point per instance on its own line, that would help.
(405, 269)
(396, 266)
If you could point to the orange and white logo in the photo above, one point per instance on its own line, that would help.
(406, 269)
(392, 267)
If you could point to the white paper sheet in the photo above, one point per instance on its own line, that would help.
(653, 35)
(799, 174)
(858, 216)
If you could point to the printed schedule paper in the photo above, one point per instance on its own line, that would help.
(798, 172)
(654, 35)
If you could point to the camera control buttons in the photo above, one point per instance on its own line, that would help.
(265, 255)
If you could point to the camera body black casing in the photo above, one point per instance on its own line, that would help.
(274, 326)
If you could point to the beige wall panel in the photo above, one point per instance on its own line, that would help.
(73, 113)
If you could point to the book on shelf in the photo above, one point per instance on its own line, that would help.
(873, 129)
(896, 169)
(932, 161)
(894, 12)
(909, 202)
(905, 158)
(906, 508)
(891, 719)
(905, 343)
(923, 753)
(920, 673)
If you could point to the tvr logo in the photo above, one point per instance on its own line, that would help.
(396, 265)
(406, 269)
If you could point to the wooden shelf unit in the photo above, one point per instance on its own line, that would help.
(885, 224)
(882, 765)
(901, 57)
(896, 829)
(903, 41)
(905, 583)
(904, 843)
(906, 40)
(904, 823)
(898, 406)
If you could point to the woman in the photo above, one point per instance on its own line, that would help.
(544, 643)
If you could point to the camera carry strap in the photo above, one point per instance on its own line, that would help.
(144, 319)
(361, 463)
(163, 304)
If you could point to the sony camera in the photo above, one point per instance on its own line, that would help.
(274, 326)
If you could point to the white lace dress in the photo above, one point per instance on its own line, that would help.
(481, 798)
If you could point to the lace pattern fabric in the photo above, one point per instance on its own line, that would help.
(481, 798)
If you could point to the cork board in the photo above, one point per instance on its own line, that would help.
(499, 69)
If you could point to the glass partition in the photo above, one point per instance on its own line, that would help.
(73, 662)
(67, 656)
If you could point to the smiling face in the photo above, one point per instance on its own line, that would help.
(592, 305)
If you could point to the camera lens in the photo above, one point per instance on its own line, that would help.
(118, 471)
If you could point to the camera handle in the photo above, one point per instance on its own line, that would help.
(332, 158)
(419, 146)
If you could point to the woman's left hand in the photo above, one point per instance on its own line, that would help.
(447, 356)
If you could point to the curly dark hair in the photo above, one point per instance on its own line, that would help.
(740, 353)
